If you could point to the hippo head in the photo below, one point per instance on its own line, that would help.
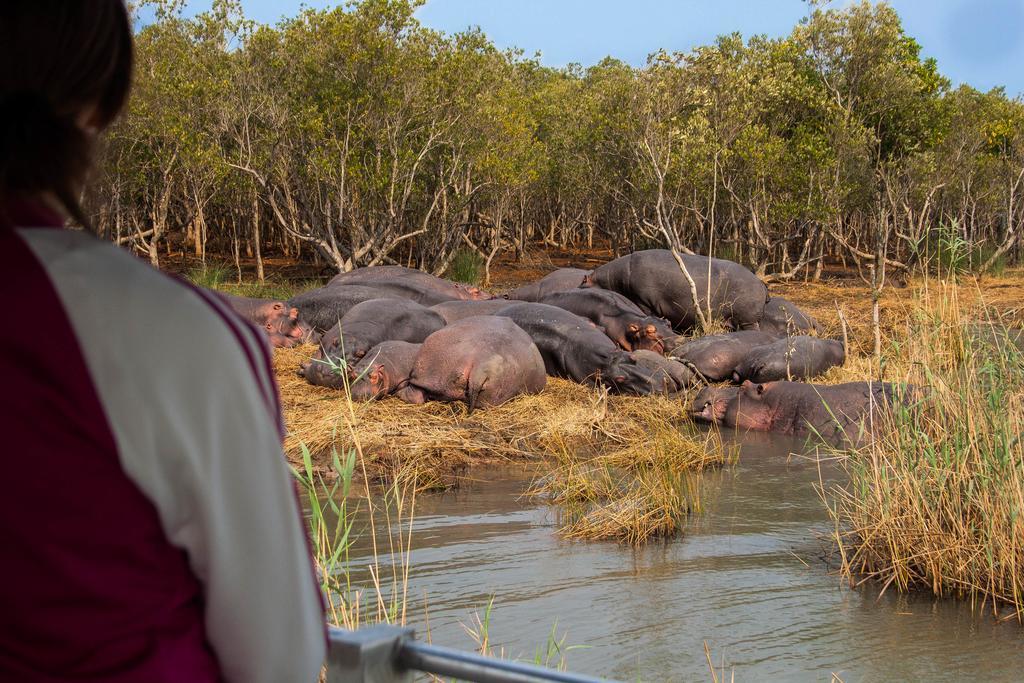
(711, 403)
(324, 373)
(754, 407)
(369, 382)
(277, 339)
(626, 377)
(644, 336)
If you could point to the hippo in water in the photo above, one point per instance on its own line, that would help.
(409, 283)
(575, 348)
(711, 403)
(783, 318)
(371, 322)
(621, 319)
(324, 307)
(558, 281)
(790, 358)
(836, 413)
(453, 311)
(482, 360)
(669, 376)
(716, 356)
(653, 280)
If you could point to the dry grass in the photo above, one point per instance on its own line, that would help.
(436, 441)
(619, 496)
(936, 500)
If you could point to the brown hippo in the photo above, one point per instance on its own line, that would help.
(836, 413)
(621, 319)
(575, 348)
(782, 317)
(711, 403)
(279, 321)
(669, 376)
(790, 358)
(716, 356)
(385, 371)
(378, 320)
(557, 281)
(409, 283)
(453, 311)
(653, 280)
(482, 360)
(323, 307)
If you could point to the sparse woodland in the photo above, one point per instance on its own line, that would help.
(355, 136)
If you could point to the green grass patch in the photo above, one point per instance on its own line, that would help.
(466, 267)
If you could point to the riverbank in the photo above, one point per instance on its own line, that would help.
(935, 503)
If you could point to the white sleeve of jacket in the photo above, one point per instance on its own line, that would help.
(192, 403)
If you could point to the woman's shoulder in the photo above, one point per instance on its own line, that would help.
(127, 296)
(149, 326)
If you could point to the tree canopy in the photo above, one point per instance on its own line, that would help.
(355, 136)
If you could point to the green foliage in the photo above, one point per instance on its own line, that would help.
(361, 136)
(210, 276)
(467, 267)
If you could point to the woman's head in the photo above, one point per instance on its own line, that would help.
(65, 72)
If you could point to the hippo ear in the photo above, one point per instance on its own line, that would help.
(293, 314)
(376, 373)
(760, 389)
(651, 331)
(278, 306)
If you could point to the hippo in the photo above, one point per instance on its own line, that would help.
(482, 360)
(653, 280)
(784, 318)
(257, 311)
(835, 413)
(790, 358)
(621, 319)
(716, 356)
(557, 281)
(324, 307)
(409, 283)
(369, 323)
(453, 311)
(279, 321)
(575, 348)
(384, 371)
(711, 403)
(670, 376)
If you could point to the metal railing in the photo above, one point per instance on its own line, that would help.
(391, 654)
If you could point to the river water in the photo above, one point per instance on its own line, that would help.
(749, 578)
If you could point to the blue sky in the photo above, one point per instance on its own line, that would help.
(980, 42)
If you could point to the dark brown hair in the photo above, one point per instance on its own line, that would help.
(58, 60)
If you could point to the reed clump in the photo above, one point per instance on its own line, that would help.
(936, 499)
(434, 443)
(630, 495)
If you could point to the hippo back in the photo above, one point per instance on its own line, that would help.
(453, 311)
(571, 346)
(371, 322)
(558, 281)
(654, 281)
(324, 307)
(783, 317)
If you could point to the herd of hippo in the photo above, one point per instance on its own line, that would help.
(395, 331)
